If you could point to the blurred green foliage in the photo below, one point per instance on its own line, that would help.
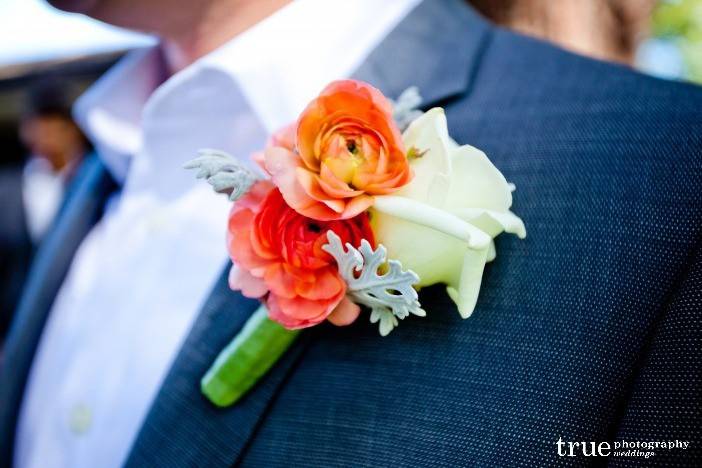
(681, 21)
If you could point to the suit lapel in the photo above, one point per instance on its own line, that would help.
(84, 205)
(435, 48)
(182, 427)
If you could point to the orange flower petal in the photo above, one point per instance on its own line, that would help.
(260, 159)
(347, 146)
(250, 286)
(284, 137)
(327, 284)
(279, 281)
(282, 165)
(333, 186)
(311, 184)
(356, 206)
(241, 251)
(345, 313)
(278, 254)
(298, 312)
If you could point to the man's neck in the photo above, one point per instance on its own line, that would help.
(605, 29)
(220, 23)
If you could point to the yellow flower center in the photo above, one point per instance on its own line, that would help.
(344, 156)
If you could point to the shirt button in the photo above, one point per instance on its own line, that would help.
(80, 419)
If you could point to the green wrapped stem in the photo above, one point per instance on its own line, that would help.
(247, 358)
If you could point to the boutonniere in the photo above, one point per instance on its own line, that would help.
(351, 213)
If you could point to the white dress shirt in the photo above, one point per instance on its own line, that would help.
(139, 278)
(42, 192)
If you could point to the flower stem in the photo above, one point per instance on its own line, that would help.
(247, 358)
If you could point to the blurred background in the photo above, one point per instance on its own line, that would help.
(47, 58)
(674, 48)
(39, 44)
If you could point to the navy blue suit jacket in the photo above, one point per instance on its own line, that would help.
(588, 330)
(15, 244)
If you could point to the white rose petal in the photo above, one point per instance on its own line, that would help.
(442, 223)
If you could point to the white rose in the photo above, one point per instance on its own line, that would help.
(442, 223)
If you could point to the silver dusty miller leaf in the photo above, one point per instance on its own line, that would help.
(387, 319)
(389, 295)
(406, 108)
(223, 172)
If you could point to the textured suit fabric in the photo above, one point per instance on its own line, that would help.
(576, 326)
(588, 330)
(15, 245)
(666, 388)
(569, 336)
(212, 430)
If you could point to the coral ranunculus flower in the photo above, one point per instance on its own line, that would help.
(347, 149)
(278, 257)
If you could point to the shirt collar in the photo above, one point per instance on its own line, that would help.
(285, 60)
(110, 111)
(279, 64)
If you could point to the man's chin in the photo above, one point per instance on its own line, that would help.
(74, 6)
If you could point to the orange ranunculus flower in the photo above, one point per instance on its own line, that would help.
(283, 137)
(347, 149)
(278, 257)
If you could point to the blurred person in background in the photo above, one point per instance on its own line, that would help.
(591, 334)
(56, 147)
(30, 197)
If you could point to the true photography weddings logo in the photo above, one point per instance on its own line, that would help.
(618, 448)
